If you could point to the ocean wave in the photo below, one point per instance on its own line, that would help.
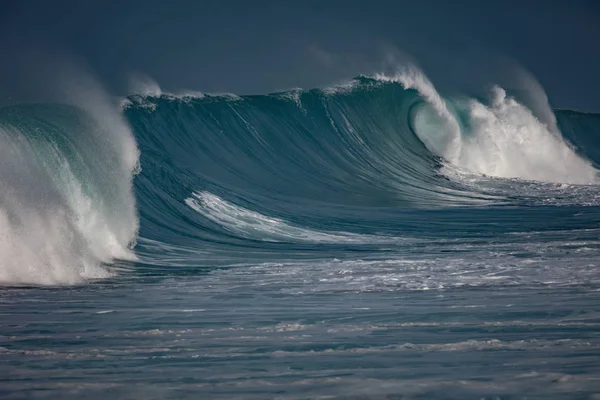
(225, 176)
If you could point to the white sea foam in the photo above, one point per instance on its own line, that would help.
(463, 265)
(507, 140)
(66, 211)
(502, 139)
(253, 225)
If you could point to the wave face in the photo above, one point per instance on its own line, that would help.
(360, 165)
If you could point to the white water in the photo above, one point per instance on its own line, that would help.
(502, 139)
(507, 140)
(64, 214)
(250, 224)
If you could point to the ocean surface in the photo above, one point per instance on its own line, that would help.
(370, 240)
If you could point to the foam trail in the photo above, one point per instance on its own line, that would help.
(66, 196)
(251, 224)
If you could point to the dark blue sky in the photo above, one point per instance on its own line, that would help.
(260, 46)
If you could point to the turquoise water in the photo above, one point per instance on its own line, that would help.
(372, 240)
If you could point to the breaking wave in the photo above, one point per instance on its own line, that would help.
(227, 177)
